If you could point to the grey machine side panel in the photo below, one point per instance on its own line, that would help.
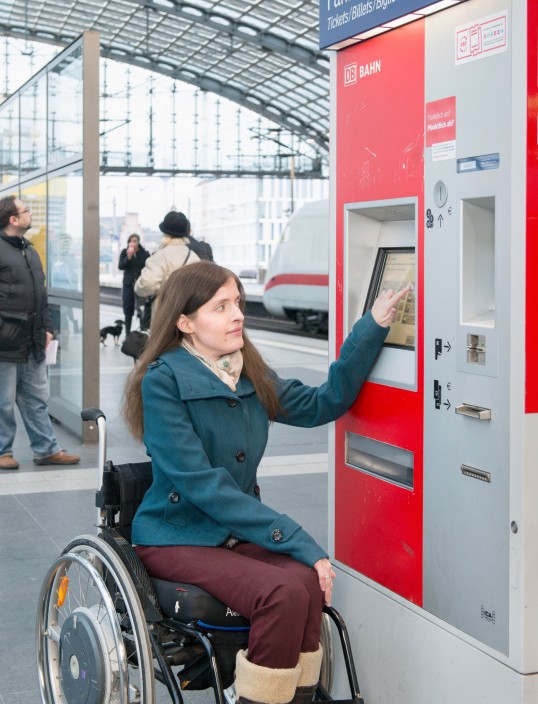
(467, 258)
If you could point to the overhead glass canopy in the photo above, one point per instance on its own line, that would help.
(259, 53)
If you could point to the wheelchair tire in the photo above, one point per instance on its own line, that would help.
(326, 674)
(92, 638)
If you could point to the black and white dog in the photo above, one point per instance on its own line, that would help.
(114, 330)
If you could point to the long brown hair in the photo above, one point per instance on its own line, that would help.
(185, 291)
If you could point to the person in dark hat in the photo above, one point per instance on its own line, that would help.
(172, 254)
(177, 223)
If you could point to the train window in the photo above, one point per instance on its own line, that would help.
(395, 269)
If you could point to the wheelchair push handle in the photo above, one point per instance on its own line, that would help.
(95, 415)
(92, 414)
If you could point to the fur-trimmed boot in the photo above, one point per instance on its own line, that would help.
(255, 684)
(310, 664)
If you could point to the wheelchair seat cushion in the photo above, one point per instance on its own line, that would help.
(189, 603)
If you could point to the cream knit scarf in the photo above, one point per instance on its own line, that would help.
(227, 368)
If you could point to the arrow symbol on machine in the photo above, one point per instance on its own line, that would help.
(447, 404)
(448, 346)
(440, 218)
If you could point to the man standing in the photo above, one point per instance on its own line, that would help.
(25, 331)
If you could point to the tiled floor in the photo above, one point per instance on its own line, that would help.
(42, 508)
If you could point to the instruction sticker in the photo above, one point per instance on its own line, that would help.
(441, 128)
(482, 38)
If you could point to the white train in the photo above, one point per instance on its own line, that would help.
(297, 279)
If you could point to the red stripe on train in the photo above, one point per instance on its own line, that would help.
(298, 279)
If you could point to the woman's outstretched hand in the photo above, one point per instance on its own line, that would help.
(386, 304)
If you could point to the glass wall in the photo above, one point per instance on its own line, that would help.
(9, 142)
(65, 108)
(65, 376)
(49, 146)
(33, 126)
(65, 280)
(35, 197)
(64, 243)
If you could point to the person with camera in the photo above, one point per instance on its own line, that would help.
(132, 261)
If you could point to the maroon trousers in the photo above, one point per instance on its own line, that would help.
(280, 596)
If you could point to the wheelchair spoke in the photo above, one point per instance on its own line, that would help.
(79, 595)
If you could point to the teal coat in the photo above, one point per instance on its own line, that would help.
(206, 442)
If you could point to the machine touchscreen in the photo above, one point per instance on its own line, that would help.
(395, 269)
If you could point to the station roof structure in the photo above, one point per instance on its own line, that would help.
(262, 54)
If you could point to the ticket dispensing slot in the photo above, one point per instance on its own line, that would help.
(380, 459)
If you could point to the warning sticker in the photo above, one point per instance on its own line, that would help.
(482, 38)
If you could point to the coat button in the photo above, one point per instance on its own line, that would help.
(174, 497)
(257, 490)
(240, 457)
(276, 535)
(232, 402)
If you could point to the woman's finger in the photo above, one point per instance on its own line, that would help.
(386, 304)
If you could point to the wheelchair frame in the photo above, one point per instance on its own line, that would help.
(101, 635)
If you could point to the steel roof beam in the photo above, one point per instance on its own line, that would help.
(248, 33)
(249, 100)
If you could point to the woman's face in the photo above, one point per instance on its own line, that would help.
(216, 328)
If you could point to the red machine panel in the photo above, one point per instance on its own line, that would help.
(378, 525)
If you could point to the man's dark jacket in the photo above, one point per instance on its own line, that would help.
(132, 267)
(24, 311)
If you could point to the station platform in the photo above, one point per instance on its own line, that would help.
(43, 508)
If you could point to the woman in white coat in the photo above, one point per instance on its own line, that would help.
(171, 255)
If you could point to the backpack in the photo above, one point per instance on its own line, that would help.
(202, 249)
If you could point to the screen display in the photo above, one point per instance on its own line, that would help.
(395, 269)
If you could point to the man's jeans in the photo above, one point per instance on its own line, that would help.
(26, 384)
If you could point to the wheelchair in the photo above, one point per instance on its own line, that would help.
(107, 632)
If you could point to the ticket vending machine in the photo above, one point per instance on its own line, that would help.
(434, 488)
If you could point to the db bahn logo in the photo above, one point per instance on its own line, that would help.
(350, 74)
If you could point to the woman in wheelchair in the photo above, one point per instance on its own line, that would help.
(201, 398)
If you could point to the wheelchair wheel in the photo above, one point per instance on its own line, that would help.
(92, 639)
(327, 664)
